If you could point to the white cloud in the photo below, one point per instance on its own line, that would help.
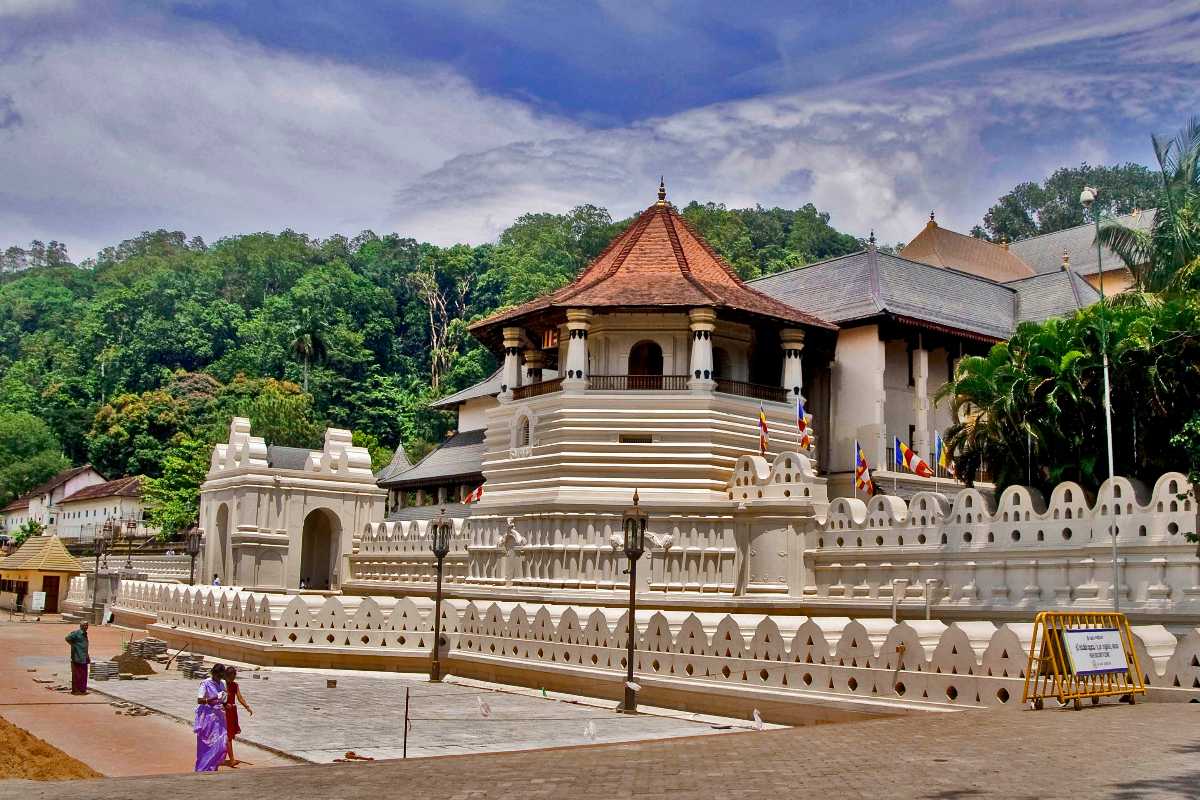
(121, 132)
(115, 131)
(33, 8)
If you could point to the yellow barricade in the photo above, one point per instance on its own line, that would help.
(1061, 639)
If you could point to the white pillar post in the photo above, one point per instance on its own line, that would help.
(702, 321)
(793, 348)
(534, 361)
(579, 320)
(510, 378)
(921, 400)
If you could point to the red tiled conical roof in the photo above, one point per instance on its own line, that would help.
(660, 261)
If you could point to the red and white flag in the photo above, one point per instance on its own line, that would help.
(476, 495)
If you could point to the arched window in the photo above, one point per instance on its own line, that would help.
(523, 433)
(645, 366)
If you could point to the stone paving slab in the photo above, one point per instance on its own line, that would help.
(1109, 752)
(295, 713)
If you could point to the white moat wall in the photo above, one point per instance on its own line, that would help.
(780, 543)
(801, 668)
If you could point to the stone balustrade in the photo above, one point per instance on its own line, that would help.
(1017, 553)
(401, 552)
(798, 659)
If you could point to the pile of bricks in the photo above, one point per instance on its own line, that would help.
(149, 648)
(191, 666)
(102, 670)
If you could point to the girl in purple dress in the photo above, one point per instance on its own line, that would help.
(211, 743)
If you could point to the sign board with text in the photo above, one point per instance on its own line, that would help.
(37, 602)
(1095, 651)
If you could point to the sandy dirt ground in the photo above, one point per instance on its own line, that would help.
(108, 736)
(28, 757)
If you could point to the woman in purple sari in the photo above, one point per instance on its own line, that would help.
(211, 742)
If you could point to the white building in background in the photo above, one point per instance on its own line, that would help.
(82, 515)
(42, 502)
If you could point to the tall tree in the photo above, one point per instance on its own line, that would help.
(1033, 208)
(308, 342)
(1167, 257)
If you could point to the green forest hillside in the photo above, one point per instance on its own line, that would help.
(134, 361)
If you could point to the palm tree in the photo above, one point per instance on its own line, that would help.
(308, 343)
(1166, 258)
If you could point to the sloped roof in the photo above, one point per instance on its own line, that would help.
(1044, 253)
(940, 247)
(459, 456)
(487, 387)
(44, 553)
(121, 487)
(17, 505)
(399, 463)
(279, 457)
(47, 487)
(869, 283)
(658, 262)
(1054, 294)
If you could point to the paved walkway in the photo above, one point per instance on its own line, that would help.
(34, 659)
(1110, 751)
(296, 713)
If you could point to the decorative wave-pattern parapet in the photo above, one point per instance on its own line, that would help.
(965, 663)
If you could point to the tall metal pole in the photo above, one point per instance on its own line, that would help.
(630, 694)
(1116, 562)
(435, 667)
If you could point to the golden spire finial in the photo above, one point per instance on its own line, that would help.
(1066, 261)
(662, 191)
(635, 497)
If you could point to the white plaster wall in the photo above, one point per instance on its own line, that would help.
(83, 519)
(858, 396)
(472, 415)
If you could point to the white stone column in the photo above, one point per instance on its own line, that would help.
(921, 401)
(534, 363)
(579, 321)
(792, 340)
(702, 322)
(511, 376)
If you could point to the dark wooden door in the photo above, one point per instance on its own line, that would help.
(50, 587)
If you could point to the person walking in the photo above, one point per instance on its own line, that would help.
(233, 696)
(209, 726)
(78, 639)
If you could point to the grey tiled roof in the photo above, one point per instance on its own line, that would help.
(459, 456)
(287, 457)
(867, 283)
(1044, 253)
(1053, 294)
(398, 464)
(485, 388)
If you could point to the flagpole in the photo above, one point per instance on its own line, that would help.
(854, 470)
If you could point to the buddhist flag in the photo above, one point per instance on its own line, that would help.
(941, 456)
(802, 423)
(476, 495)
(862, 471)
(906, 458)
(762, 430)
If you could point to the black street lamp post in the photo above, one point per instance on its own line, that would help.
(192, 544)
(441, 529)
(634, 524)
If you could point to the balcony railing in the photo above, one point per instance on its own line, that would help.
(638, 383)
(535, 389)
(757, 391)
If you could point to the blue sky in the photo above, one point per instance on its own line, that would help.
(444, 120)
